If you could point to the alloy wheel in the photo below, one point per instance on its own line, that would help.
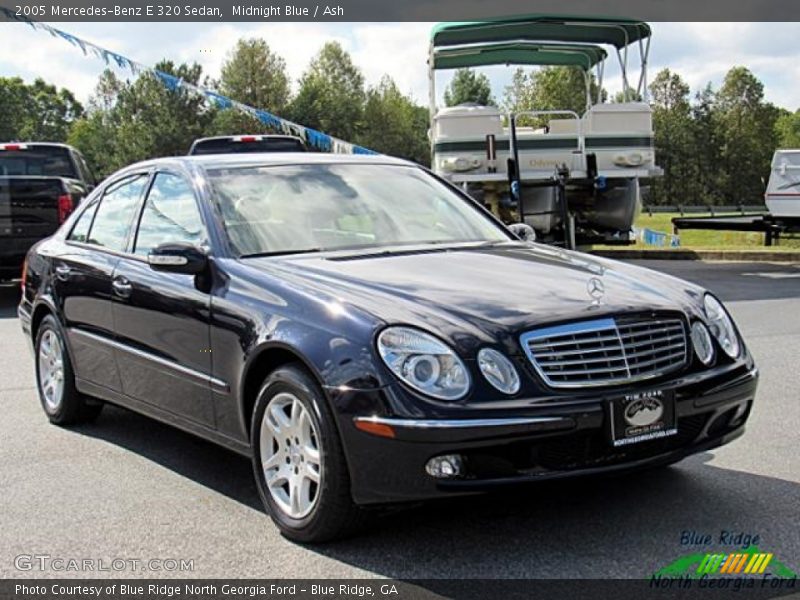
(290, 455)
(51, 370)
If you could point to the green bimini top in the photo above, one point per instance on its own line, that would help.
(519, 53)
(617, 32)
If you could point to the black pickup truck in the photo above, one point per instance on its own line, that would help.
(40, 185)
(238, 144)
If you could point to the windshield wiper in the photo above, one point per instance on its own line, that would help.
(431, 246)
(488, 243)
(415, 247)
(280, 253)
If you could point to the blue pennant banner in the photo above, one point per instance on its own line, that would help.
(316, 139)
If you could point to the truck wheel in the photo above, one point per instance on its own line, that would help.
(299, 466)
(55, 380)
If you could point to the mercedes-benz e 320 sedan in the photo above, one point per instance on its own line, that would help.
(367, 334)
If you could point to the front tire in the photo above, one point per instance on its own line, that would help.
(298, 462)
(55, 379)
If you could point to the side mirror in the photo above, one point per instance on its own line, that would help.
(523, 231)
(177, 258)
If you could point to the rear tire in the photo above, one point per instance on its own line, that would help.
(298, 462)
(55, 379)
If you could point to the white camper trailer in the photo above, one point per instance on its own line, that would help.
(783, 190)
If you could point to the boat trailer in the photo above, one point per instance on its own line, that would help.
(773, 228)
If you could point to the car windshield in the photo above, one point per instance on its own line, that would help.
(46, 161)
(315, 207)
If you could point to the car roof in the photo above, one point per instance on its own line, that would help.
(256, 159)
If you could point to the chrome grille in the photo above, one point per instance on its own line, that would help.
(606, 352)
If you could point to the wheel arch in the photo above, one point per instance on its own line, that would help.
(42, 308)
(264, 361)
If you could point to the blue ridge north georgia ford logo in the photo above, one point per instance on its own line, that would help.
(643, 412)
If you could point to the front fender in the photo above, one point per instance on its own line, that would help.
(258, 323)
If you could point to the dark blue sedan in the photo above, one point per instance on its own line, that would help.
(367, 334)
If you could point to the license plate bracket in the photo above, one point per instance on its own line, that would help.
(641, 416)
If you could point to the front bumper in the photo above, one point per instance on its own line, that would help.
(534, 442)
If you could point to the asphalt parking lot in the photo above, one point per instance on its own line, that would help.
(126, 487)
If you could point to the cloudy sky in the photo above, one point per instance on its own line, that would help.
(700, 52)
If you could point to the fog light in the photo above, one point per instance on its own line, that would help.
(446, 466)
(740, 410)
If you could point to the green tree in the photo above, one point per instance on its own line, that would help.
(747, 136)
(672, 123)
(234, 122)
(133, 121)
(393, 124)
(36, 112)
(518, 95)
(331, 95)
(157, 121)
(50, 113)
(633, 96)
(14, 112)
(252, 75)
(706, 149)
(562, 88)
(468, 87)
(669, 92)
(94, 137)
(94, 134)
(787, 128)
(548, 88)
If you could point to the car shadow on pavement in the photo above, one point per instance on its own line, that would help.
(205, 463)
(624, 526)
(616, 526)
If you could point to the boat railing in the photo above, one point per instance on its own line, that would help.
(512, 120)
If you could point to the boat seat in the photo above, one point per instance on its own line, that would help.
(619, 117)
(564, 126)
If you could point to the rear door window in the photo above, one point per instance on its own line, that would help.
(115, 215)
(80, 231)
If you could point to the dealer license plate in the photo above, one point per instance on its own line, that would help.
(642, 416)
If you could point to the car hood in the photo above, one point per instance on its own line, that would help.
(490, 291)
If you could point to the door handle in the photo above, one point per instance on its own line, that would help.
(122, 287)
(62, 272)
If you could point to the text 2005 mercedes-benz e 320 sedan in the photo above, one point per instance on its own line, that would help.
(368, 334)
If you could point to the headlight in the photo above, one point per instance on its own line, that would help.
(701, 340)
(498, 371)
(423, 362)
(721, 326)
